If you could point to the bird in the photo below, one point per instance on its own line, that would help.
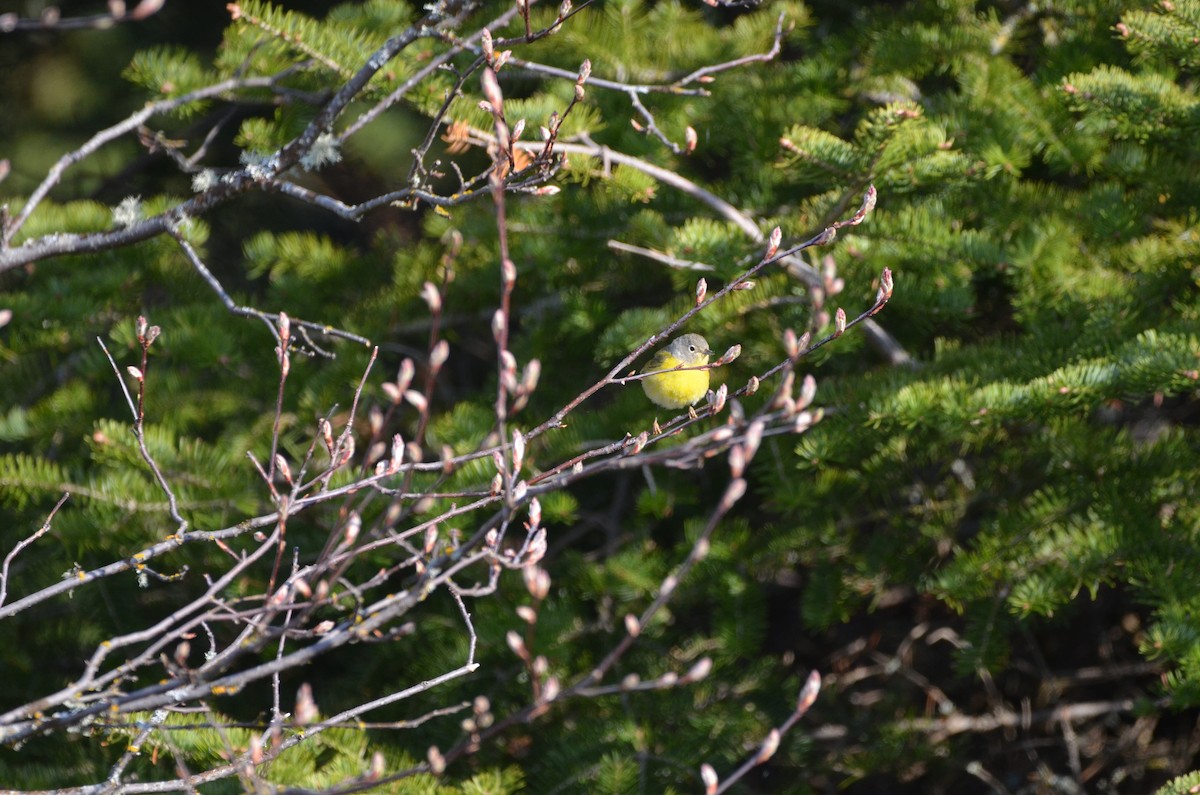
(678, 388)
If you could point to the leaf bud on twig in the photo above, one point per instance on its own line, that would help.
(809, 693)
(785, 389)
(709, 777)
(701, 291)
(804, 421)
(737, 461)
(537, 547)
(439, 355)
(773, 242)
(282, 467)
(690, 139)
(417, 400)
(699, 671)
(485, 41)
(437, 762)
(790, 344)
(839, 322)
(769, 747)
(551, 689)
(632, 625)
(499, 326)
(808, 391)
(404, 375)
(734, 492)
(754, 435)
(351, 530)
(529, 378)
(537, 582)
(491, 91)
(517, 645)
(326, 432)
(431, 296)
(717, 403)
(729, 355)
(518, 450)
(306, 706)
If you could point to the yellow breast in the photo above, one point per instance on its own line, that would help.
(674, 390)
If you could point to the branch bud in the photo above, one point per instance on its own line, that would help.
(632, 625)
(491, 91)
(306, 706)
(281, 465)
(808, 391)
(808, 693)
(737, 461)
(518, 450)
(718, 398)
(774, 241)
(431, 296)
(437, 762)
(439, 355)
(769, 747)
(499, 326)
(529, 378)
(690, 139)
(701, 291)
(734, 492)
(404, 375)
(517, 645)
(417, 400)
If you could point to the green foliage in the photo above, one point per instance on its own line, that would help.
(1181, 786)
(1037, 180)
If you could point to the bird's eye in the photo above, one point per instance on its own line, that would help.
(692, 348)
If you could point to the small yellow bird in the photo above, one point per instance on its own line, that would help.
(680, 388)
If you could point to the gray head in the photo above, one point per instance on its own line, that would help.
(691, 349)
